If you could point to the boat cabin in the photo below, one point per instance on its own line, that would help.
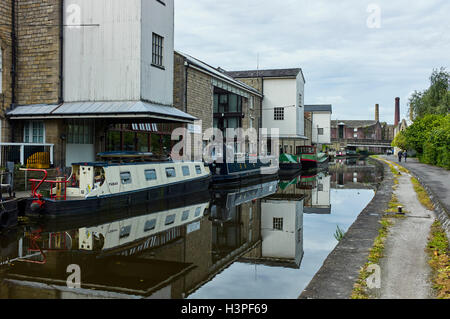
(90, 180)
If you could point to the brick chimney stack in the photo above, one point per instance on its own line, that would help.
(377, 112)
(397, 111)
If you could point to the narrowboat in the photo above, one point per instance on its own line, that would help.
(106, 186)
(243, 171)
(312, 159)
(290, 165)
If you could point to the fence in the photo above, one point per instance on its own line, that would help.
(26, 154)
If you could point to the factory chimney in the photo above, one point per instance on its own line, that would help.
(377, 112)
(397, 111)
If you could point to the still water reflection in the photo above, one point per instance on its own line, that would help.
(262, 241)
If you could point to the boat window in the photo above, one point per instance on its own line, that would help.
(150, 225)
(125, 231)
(99, 176)
(125, 178)
(170, 219)
(185, 215)
(150, 175)
(198, 169)
(198, 211)
(186, 171)
(170, 172)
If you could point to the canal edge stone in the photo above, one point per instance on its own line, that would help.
(340, 271)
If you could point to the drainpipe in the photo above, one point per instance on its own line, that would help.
(61, 54)
(186, 67)
(13, 64)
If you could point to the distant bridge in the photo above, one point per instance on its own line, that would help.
(364, 143)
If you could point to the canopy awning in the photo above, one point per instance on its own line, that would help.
(101, 110)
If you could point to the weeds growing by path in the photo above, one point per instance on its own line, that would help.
(438, 250)
(422, 194)
(375, 254)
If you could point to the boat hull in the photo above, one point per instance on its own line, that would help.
(9, 211)
(55, 209)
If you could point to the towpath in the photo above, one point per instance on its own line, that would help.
(405, 273)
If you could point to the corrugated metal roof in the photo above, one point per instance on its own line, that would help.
(102, 109)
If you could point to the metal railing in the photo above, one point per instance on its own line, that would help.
(26, 153)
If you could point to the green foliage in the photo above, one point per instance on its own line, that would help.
(400, 141)
(434, 100)
(339, 235)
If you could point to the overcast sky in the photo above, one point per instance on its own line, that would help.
(354, 53)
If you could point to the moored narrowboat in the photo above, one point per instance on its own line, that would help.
(98, 186)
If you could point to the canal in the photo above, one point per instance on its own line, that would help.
(263, 241)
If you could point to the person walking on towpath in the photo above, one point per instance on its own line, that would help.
(400, 155)
(405, 155)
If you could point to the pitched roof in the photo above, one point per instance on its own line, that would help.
(272, 73)
(353, 123)
(217, 72)
(319, 108)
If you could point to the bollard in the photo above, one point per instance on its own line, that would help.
(400, 210)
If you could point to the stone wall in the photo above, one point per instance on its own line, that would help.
(6, 50)
(38, 58)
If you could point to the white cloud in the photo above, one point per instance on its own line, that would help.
(329, 40)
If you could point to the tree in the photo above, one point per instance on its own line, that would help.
(434, 100)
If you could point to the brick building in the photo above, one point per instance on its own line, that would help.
(6, 61)
(102, 83)
(215, 98)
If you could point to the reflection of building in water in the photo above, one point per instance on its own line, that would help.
(167, 254)
(354, 174)
(281, 230)
(315, 188)
(110, 257)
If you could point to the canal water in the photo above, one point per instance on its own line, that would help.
(262, 241)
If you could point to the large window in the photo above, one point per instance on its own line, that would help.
(80, 132)
(34, 132)
(158, 49)
(227, 103)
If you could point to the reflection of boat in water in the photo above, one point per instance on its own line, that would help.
(135, 234)
(225, 201)
(95, 187)
(9, 205)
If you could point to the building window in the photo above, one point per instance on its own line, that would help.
(80, 132)
(150, 175)
(251, 102)
(34, 132)
(158, 48)
(279, 114)
(278, 223)
(320, 131)
(300, 100)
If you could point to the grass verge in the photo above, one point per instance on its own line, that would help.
(375, 254)
(438, 250)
